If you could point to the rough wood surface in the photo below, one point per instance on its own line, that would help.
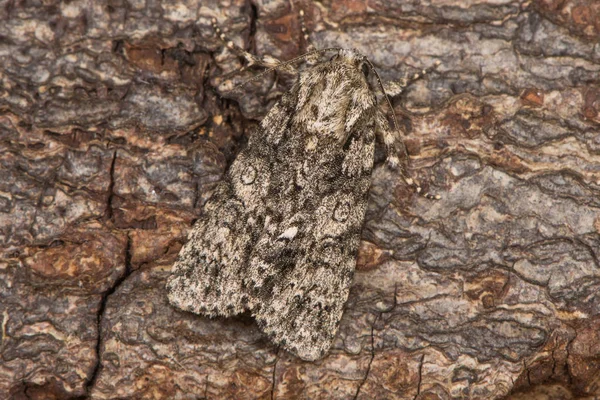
(113, 133)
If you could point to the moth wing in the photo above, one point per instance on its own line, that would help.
(209, 274)
(304, 263)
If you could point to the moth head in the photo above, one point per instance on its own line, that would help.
(363, 64)
(355, 59)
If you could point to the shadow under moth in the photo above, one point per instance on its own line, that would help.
(279, 236)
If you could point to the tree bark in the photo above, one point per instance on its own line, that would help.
(115, 126)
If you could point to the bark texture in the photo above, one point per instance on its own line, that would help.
(114, 128)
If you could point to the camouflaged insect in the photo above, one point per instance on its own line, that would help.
(279, 237)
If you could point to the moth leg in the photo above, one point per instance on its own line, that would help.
(396, 88)
(267, 61)
(388, 137)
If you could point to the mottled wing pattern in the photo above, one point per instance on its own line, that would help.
(209, 275)
(305, 262)
(301, 267)
(280, 235)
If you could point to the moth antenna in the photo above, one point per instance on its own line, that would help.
(286, 63)
(393, 159)
(394, 121)
(270, 63)
(251, 59)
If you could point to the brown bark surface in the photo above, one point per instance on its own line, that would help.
(114, 129)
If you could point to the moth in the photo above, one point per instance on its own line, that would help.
(279, 236)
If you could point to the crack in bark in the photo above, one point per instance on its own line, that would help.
(109, 206)
(274, 376)
(253, 19)
(371, 360)
(96, 371)
(420, 377)
(567, 366)
(206, 387)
